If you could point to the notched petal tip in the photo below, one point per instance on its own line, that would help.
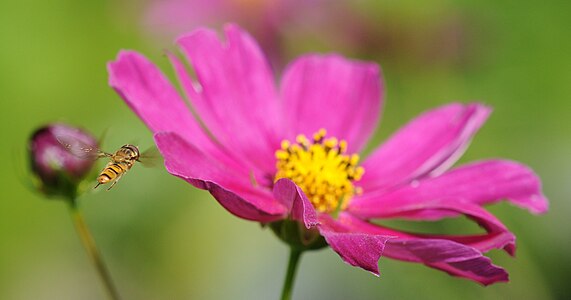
(115, 66)
(232, 74)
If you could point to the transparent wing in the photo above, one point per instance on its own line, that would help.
(150, 157)
(81, 149)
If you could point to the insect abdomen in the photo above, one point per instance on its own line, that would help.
(112, 171)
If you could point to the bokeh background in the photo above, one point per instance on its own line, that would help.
(163, 239)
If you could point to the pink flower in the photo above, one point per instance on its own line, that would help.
(264, 157)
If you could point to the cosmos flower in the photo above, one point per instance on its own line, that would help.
(59, 172)
(290, 153)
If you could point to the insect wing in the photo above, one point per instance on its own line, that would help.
(150, 157)
(81, 149)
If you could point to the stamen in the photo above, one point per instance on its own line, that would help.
(321, 168)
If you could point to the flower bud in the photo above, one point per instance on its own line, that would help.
(58, 170)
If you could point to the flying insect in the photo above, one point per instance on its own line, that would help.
(120, 161)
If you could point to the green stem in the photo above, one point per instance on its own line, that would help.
(294, 256)
(91, 248)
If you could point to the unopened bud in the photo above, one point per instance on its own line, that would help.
(58, 170)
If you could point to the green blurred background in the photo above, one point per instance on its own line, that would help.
(163, 239)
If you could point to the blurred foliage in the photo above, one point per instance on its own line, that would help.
(164, 239)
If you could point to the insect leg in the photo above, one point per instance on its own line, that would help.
(101, 154)
(116, 180)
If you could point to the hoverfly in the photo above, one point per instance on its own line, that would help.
(119, 163)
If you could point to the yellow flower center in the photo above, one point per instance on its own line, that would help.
(321, 168)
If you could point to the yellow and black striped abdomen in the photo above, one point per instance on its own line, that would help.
(113, 170)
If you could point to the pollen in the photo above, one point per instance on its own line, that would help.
(322, 168)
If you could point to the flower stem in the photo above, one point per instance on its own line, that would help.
(91, 248)
(294, 256)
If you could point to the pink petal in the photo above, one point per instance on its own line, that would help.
(479, 269)
(236, 96)
(152, 97)
(263, 178)
(331, 92)
(488, 182)
(431, 209)
(231, 188)
(454, 258)
(428, 145)
(147, 91)
(427, 210)
(292, 197)
(479, 183)
(482, 242)
(358, 249)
